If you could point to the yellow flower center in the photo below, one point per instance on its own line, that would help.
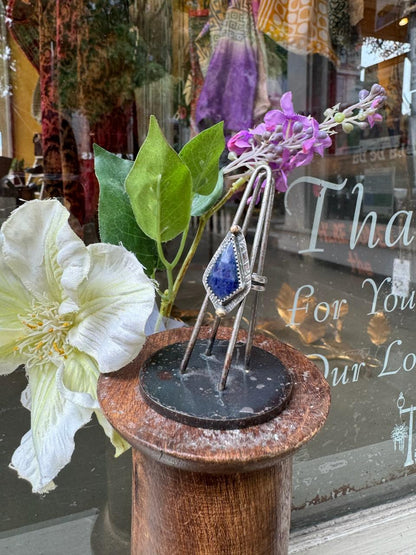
(45, 334)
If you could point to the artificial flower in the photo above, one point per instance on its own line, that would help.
(286, 117)
(374, 118)
(67, 312)
(240, 141)
(286, 140)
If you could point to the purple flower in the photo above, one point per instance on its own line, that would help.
(286, 117)
(286, 163)
(286, 140)
(240, 142)
(377, 89)
(323, 141)
(260, 129)
(377, 102)
(273, 118)
(374, 118)
(280, 181)
(363, 94)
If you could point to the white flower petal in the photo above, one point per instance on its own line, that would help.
(73, 258)
(67, 306)
(41, 248)
(118, 442)
(77, 380)
(14, 297)
(115, 301)
(14, 300)
(26, 398)
(9, 359)
(48, 447)
(25, 463)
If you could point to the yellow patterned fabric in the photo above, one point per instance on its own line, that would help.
(300, 26)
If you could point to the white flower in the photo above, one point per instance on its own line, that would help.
(67, 312)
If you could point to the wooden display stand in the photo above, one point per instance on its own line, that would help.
(208, 492)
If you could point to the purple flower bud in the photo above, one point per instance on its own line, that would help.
(377, 89)
(363, 94)
(322, 135)
(279, 149)
(270, 156)
(276, 137)
(297, 127)
(378, 101)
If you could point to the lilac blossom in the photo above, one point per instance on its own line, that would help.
(240, 141)
(286, 140)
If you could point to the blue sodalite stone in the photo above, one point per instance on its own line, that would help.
(223, 278)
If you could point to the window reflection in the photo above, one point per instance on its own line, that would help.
(74, 73)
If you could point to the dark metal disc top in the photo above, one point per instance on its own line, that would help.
(251, 396)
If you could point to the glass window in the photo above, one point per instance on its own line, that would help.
(341, 255)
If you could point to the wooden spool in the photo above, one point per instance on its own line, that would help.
(208, 492)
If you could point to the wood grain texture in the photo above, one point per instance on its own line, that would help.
(216, 451)
(210, 492)
(178, 512)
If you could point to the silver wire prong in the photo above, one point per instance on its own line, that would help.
(224, 297)
(213, 335)
(194, 336)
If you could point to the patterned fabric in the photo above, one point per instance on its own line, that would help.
(261, 99)
(203, 48)
(24, 27)
(300, 26)
(49, 101)
(35, 25)
(60, 156)
(342, 33)
(231, 82)
(198, 18)
(55, 35)
(217, 11)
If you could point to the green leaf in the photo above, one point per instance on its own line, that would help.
(202, 203)
(160, 188)
(115, 215)
(201, 154)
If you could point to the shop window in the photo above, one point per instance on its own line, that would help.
(341, 260)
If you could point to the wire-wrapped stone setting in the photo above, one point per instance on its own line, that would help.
(227, 278)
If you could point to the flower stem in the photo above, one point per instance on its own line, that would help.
(169, 267)
(170, 296)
